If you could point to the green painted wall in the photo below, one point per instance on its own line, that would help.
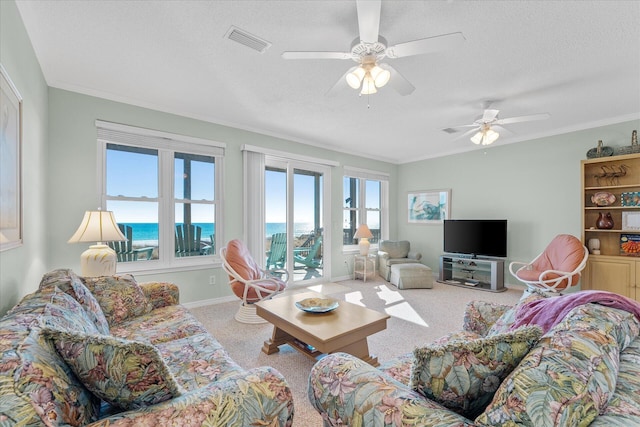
(535, 185)
(21, 268)
(72, 181)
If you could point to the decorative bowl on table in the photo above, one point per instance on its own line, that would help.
(317, 305)
(603, 198)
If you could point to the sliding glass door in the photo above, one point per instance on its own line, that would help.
(294, 218)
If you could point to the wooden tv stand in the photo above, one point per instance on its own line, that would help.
(478, 273)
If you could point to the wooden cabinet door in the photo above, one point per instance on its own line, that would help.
(613, 275)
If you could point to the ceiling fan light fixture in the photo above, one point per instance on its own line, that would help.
(380, 76)
(368, 85)
(485, 136)
(355, 77)
(490, 136)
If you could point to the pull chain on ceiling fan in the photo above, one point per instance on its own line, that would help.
(369, 49)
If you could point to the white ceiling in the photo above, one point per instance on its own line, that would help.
(577, 60)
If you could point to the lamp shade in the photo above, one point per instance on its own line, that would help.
(364, 234)
(97, 226)
(368, 85)
(99, 259)
(355, 77)
(380, 76)
(490, 137)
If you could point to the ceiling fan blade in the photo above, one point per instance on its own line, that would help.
(398, 81)
(542, 116)
(489, 115)
(474, 125)
(467, 133)
(341, 85)
(428, 45)
(369, 19)
(501, 130)
(316, 55)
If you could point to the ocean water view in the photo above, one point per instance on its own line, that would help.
(146, 233)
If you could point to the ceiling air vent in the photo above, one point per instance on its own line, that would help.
(450, 130)
(247, 39)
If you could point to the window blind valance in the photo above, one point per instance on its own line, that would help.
(131, 135)
(365, 174)
(288, 156)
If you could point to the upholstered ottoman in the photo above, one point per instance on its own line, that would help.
(410, 276)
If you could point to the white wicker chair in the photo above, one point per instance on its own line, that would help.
(558, 267)
(248, 281)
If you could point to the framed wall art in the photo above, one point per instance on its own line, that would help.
(10, 163)
(428, 207)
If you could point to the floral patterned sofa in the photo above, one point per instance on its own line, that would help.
(585, 370)
(111, 352)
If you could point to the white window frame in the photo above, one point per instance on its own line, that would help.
(363, 175)
(166, 144)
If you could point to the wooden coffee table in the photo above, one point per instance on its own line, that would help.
(344, 329)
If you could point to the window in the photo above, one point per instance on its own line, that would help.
(164, 192)
(365, 195)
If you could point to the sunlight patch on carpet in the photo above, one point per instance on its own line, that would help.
(389, 301)
(354, 298)
(328, 288)
(387, 294)
(404, 311)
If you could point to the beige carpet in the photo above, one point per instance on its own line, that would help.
(417, 316)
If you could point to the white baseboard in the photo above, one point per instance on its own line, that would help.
(341, 278)
(211, 301)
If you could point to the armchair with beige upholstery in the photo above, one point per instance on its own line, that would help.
(394, 252)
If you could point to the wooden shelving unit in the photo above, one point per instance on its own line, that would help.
(612, 269)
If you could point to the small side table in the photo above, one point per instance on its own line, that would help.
(362, 264)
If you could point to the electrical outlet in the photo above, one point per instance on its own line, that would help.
(212, 280)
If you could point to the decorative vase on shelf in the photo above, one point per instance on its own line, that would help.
(594, 246)
(605, 221)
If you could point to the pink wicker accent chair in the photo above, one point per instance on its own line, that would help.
(557, 268)
(248, 281)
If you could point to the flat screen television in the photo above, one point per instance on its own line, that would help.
(476, 237)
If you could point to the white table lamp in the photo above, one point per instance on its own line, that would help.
(98, 226)
(364, 234)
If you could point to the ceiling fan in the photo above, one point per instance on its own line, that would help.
(369, 49)
(488, 127)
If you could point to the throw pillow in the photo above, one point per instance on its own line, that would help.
(464, 375)
(128, 374)
(120, 297)
(65, 313)
(503, 324)
(68, 282)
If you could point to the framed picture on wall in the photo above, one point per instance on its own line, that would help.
(428, 207)
(10, 163)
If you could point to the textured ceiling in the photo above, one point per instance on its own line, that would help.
(577, 60)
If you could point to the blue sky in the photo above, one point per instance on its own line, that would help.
(136, 175)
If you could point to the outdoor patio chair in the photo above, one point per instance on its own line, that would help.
(277, 254)
(189, 241)
(249, 282)
(308, 257)
(125, 250)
